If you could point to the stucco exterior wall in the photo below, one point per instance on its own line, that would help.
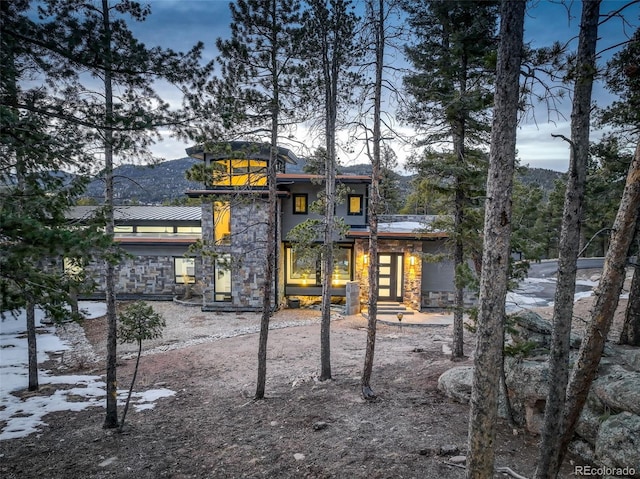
(438, 280)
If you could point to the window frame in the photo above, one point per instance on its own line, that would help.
(222, 269)
(350, 212)
(180, 278)
(294, 197)
(313, 276)
(222, 223)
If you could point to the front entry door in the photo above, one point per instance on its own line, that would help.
(390, 277)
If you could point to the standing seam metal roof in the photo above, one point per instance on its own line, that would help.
(143, 213)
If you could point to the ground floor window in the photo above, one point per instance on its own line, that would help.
(185, 270)
(222, 278)
(303, 270)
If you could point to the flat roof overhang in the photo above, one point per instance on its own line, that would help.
(129, 240)
(396, 235)
(230, 149)
(233, 192)
(288, 178)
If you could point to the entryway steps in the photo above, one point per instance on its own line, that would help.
(393, 309)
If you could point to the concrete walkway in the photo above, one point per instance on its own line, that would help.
(413, 318)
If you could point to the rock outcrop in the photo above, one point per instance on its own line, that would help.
(608, 433)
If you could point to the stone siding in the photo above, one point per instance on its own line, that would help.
(142, 276)
(412, 273)
(247, 251)
(446, 299)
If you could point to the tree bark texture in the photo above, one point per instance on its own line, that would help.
(268, 277)
(631, 330)
(496, 248)
(111, 419)
(457, 351)
(374, 205)
(607, 296)
(327, 267)
(32, 349)
(133, 382)
(270, 257)
(331, 68)
(570, 241)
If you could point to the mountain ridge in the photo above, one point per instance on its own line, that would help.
(165, 183)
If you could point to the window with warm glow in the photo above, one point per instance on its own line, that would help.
(185, 270)
(300, 206)
(240, 172)
(354, 204)
(305, 271)
(221, 223)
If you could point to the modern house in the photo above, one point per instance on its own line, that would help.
(219, 248)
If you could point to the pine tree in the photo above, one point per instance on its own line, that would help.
(496, 248)
(256, 95)
(623, 78)
(550, 456)
(328, 43)
(34, 193)
(455, 42)
(109, 88)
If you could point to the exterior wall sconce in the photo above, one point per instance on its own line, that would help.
(412, 260)
(365, 259)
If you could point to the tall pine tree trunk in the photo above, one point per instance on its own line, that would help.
(111, 419)
(496, 249)
(631, 330)
(374, 205)
(457, 351)
(32, 346)
(327, 261)
(271, 244)
(570, 241)
(607, 297)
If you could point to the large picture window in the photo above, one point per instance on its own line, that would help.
(301, 270)
(240, 172)
(185, 270)
(341, 267)
(306, 271)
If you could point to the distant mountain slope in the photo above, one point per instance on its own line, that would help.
(147, 185)
(541, 177)
(166, 182)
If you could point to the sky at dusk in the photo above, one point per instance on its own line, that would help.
(179, 24)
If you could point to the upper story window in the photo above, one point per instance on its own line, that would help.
(222, 223)
(300, 204)
(240, 172)
(354, 205)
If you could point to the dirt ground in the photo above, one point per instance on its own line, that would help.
(211, 427)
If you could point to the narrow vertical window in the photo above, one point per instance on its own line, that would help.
(300, 204)
(222, 278)
(222, 223)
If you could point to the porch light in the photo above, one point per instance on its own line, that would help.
(365, 259)
(412, 260)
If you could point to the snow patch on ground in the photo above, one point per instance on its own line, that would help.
(20, 417)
